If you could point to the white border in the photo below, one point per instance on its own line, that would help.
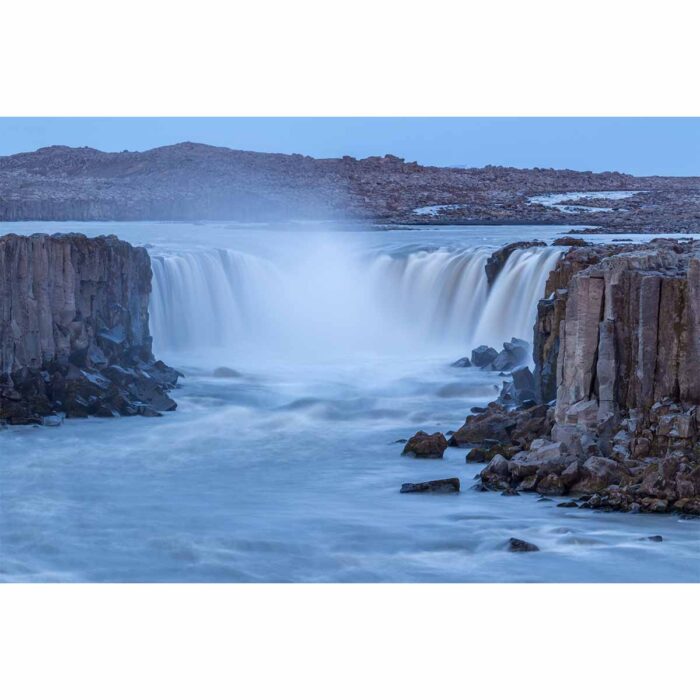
(369, 57)
(348, 641)
(149, 58)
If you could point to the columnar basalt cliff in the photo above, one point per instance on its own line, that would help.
(74, 337)
(617, 355)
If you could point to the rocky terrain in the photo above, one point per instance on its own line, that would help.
(193, 181)
(611, 413)
(74, 335)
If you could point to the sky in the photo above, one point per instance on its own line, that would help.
(636, 145)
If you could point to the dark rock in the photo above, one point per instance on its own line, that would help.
(497, 260)
(427, 446)
(510, 492)
(450, 485)
(483, 356)
(462, 362)
(570, 241)
(523, 385)
(226, 373)
(654, 538)
(567, 504)
(516, 545)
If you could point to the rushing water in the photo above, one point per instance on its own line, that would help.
(289, 469)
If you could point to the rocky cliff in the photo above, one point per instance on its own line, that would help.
(617, 351)
(74, 337)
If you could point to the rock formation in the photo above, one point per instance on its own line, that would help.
(617, 345)
(74, 336)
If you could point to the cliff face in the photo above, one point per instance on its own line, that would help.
(617, 341)
(74, 335)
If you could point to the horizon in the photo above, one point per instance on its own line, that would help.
(639, 146)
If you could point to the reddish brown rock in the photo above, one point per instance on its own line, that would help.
(426, 446)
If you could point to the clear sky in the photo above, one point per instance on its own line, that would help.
(640, 146)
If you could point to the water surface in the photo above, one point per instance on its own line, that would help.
(289, 470)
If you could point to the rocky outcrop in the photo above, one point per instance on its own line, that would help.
(623, 330)
(74, 335)
(497, 260)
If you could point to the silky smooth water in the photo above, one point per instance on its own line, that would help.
(290, 471)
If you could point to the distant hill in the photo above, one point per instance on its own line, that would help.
(190, 181)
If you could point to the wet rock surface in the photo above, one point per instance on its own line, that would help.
(517, 545)
(450, 485)
(426, 446)
(497, 261)
(74, 331)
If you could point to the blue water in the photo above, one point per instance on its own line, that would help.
(291, 471)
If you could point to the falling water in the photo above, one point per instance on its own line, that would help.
(333, 299)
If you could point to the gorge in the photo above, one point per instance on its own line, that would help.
(305, 359)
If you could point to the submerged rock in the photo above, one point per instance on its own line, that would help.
(516, 545)
(450, 485)
(426, 446)
(226, 373)
(462, 362)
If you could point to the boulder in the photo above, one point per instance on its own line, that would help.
(483, 356)
(462, 362)
(596, 474)
(450, 485)
(517, 545)
(523, 385)
(426, 446)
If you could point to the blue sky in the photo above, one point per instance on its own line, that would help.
(641, 146)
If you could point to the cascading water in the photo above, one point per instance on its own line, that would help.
(329, 299)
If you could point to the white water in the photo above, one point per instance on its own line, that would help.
(324, 298)
(290, 471)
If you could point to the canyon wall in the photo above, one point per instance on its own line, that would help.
(617, 358)
(74, 335)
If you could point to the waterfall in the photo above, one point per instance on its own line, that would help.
(330, 300)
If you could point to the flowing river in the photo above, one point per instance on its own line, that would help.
(308, 353)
